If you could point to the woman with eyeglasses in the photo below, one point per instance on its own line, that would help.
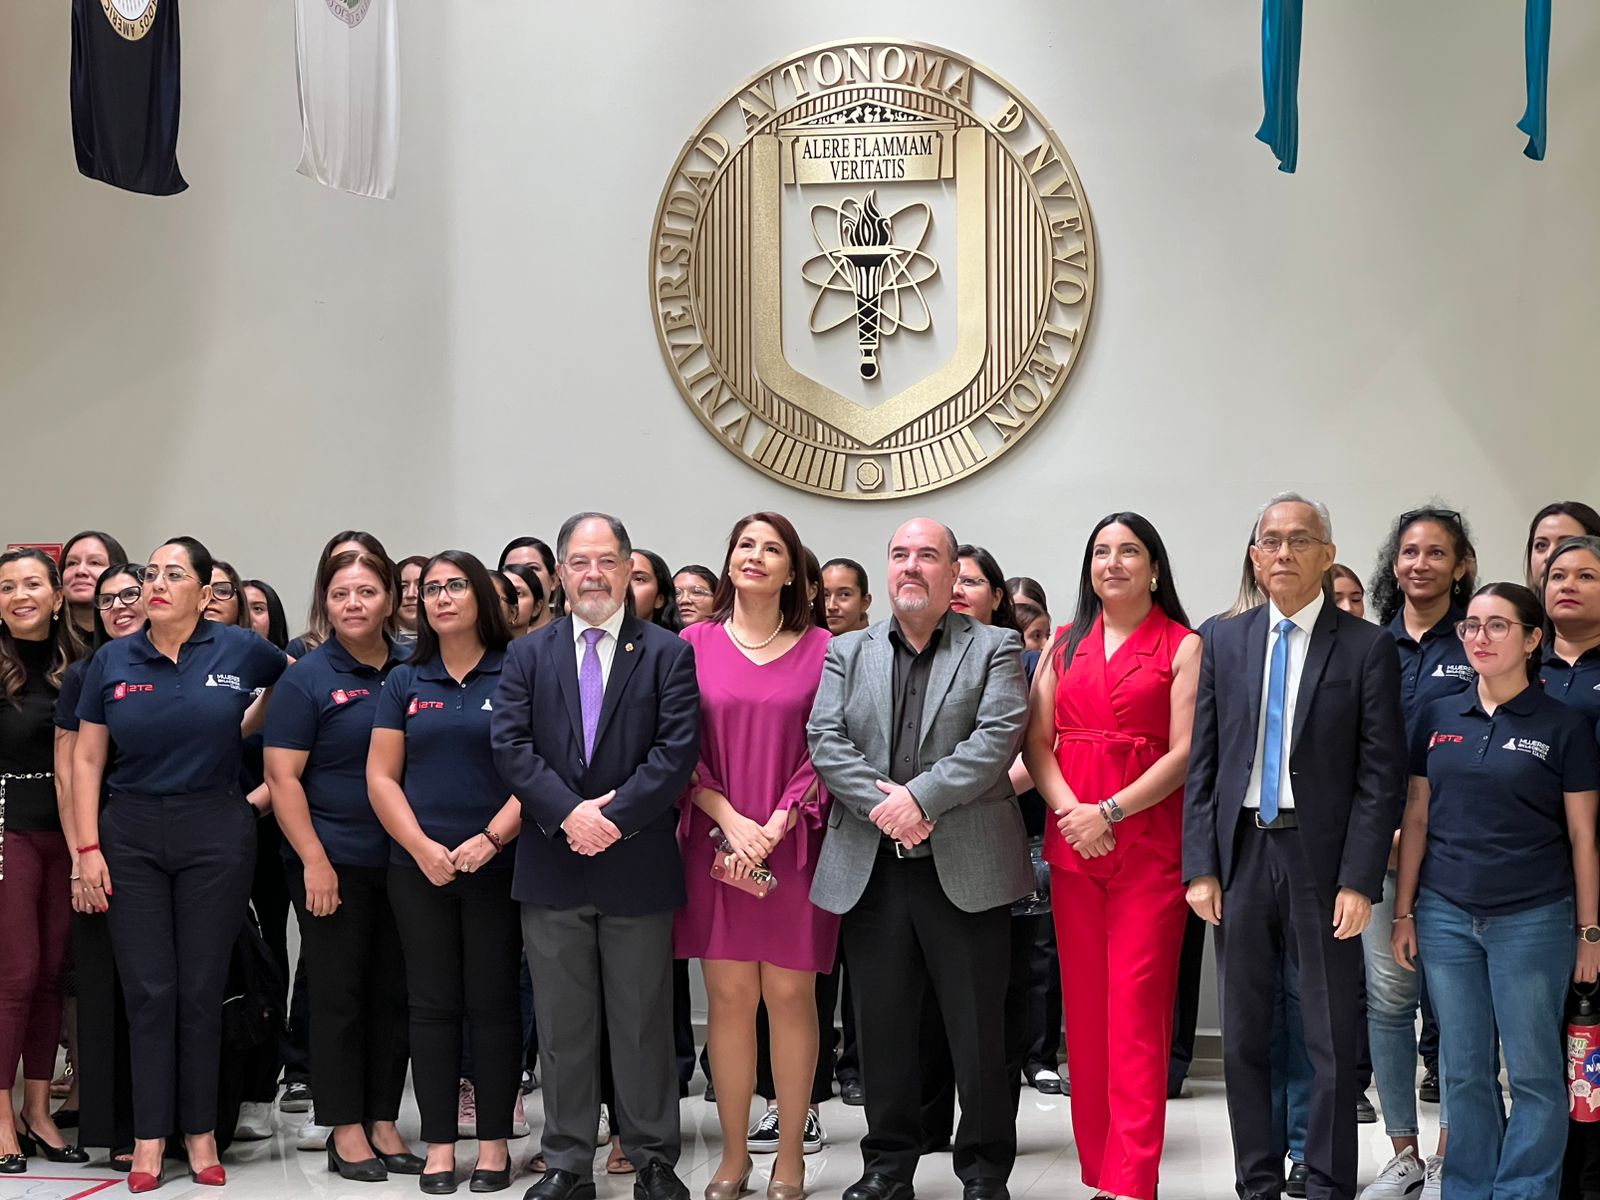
(227, 596)
(1499, 895)
(1552, 525)
(337, 856)
(102, 1075)
(171, 858)
(695, 588)
(84, 557)
(1419, 589)
(37, 644)
(433, 783)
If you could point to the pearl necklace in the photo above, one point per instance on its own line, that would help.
(728, 625)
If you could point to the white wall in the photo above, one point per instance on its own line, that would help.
(262, 361)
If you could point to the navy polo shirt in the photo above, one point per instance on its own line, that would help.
(450, 779)
(176, 725)
(1577, 684)
(1436, 666)
(67, 699)
(324, 705)
(1497, 821)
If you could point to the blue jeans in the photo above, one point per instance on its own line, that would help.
(1392, 997)
(1512, 970)
(1291, 1069)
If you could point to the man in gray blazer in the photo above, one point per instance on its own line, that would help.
(915, 726)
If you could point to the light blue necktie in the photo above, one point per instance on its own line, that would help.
(1272, 748)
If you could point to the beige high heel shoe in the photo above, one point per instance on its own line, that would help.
(731, 1189)
(777, 1189)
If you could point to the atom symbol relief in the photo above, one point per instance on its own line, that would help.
(863, 270)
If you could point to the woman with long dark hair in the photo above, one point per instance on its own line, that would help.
(1552, 525)
(227, 596)
(37, 644)
(179, 840)
(759, 661)
(84, 557)
(533, 609)
(264, 612)
(1108, 746)
(1499, 894)
(432, 781)
(980, 589)
(650, 584)
(536, 553)
(695, 589)
(103, 1078)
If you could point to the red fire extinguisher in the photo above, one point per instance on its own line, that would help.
(1583, 1057)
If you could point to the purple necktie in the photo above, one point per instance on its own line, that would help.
(591, 689)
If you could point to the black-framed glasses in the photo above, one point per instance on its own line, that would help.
(456, 586)
(1498, 628)
(127, 597)
(1299, 543)
(224, 590)
(1429, 514)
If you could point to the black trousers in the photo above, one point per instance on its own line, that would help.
(462, 950)
(269, 896)
(1044, 1000)
(105, 1076)
(358, 987)
(904, 937)
(1186, 1007)
(822, 1079)
(682, 1024)
(848, 1066)
(1269, 910)
(180, 868)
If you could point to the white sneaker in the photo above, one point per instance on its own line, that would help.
(1400, 1179)
(1433, 1185)
(519, 1119)
(814, 1137)
(466, 1110)
(763, 1135)
(257, 1120)
(311, 1135)
(602, 1135)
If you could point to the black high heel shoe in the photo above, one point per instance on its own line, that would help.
(13, 1164)
(404, 1163)
(368, 1170)
(32, 1143)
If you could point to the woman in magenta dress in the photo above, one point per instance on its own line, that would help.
(759, 660)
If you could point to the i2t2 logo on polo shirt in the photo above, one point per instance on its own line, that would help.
(123, 690)
(417, 706)
(1540, 750)
(1444, 739)
(346, 695)
(1455, 671)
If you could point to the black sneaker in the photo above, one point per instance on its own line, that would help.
(763, 1136)
(852, 1093)
(296, 1098)
(1365, 1113)
(1428, 1089)
(815, 1137)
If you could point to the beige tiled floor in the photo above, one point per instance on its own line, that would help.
(1198, 1164)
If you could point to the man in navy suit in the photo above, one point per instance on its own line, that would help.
(597, 730)
(1297, 778)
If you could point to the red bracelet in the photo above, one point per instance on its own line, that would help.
(89, 847)
(494, 839)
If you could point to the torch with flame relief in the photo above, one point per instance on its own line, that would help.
(865, 245)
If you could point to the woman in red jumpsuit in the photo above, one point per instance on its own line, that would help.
(1108, 746)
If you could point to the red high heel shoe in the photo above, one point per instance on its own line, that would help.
(213, 1176)
(143, 1181)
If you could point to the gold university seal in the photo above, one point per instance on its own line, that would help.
(872, 269)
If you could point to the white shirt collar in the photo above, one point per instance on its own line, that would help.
(1305, 619)
(612, 624)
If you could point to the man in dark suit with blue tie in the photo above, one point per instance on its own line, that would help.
(597, 730)
(1297, 777)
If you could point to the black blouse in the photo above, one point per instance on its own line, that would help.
(27, 743)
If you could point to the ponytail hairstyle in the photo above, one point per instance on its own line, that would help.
(1529, 611)
(65, 646)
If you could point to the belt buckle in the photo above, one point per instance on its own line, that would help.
(899, 850)
(1260, 824)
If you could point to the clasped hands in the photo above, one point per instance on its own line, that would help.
(1086, 830)
(754, 841)
(899, 816)
(588, 830)
(441, 864)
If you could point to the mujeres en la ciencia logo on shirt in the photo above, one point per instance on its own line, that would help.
(872, 269)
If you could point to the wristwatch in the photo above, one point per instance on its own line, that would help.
(1589, 933)
(1111, 811)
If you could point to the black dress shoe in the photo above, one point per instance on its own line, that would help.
(484, 1180)
(405, 1163)
(1428, 1089)
(873, 1186)
(561, 1185)
(1298, 1175)
(1365, 1113)
(31, 1143)
(1046, 1082)
(656, 1181)
(437, 1183)
(985, 1189)
(368, 1170)
(711, 1092)
(852, 1093)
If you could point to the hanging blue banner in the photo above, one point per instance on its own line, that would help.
(1536, 45)
(1280, 78)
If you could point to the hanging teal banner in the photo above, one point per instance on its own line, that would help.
(1536, 39)
(1280, 78)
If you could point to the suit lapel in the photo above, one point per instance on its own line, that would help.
(1317, 654)
(564, 662)
(946, 659)
(626, 656)
(1255, 662)
(877, 667)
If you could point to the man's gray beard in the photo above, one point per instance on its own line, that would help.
(585, 600)
(916, 604)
